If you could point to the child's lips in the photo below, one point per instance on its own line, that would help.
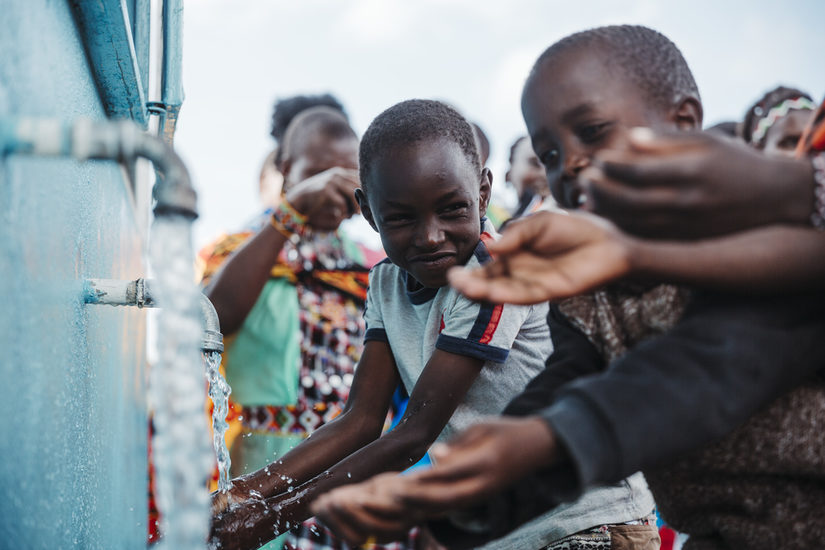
(439, 260)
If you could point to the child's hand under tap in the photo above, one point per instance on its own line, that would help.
(548, 256)
(695, 185)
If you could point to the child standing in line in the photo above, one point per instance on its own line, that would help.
(424, 191)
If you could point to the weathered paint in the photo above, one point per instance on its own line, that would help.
(107, 36)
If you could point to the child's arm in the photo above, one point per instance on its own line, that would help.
(729, 356)
(551, 256)
(476, 464)
(439, 390)
(696, 185)
(237, 285)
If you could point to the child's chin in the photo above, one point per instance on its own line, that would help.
(432, 280)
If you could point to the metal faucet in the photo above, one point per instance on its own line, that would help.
(114, 292)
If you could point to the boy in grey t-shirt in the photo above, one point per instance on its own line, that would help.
(425, 192)
(511, 341)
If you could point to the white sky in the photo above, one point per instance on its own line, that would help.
(240, 55)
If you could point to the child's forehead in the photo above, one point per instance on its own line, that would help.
(578, 68)
(578, 83)
(431, 165)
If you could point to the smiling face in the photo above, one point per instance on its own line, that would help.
(575, 105)
(426, 200)
(783, 136)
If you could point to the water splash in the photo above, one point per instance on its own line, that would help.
(182, 454)
(219, 391)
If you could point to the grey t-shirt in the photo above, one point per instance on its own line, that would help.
(514, 342)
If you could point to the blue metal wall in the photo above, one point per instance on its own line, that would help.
(73, 466)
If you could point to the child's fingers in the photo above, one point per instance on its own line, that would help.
(434, 498)
(346, 189)
(521, 232)
(357, 525)
(645, 140)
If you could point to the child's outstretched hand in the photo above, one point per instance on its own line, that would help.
(479, 463)
(369, 511)
(692, 185)
(548, 256)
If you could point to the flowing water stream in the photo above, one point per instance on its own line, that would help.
(183, 459)
(219, 392)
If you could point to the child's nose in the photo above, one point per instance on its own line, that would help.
(430, 235)
(575, 164)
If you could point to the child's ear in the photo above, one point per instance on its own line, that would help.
(687, 114)
(364, 205)
(485, 188)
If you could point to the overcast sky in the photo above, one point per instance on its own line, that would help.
(240, 55)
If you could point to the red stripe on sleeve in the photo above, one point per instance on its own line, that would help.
(492, 325)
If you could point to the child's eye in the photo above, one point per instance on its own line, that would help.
(788, 142)
(396, 218)
(592, 133)
(457, 208)
(550, 158)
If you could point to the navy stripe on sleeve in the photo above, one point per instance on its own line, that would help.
(459, 346)
(377, 335)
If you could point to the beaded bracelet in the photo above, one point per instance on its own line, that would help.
(818, 216)
(288, 221)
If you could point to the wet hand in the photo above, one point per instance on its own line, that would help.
(691, 185)
(548, 256)
(368, 511)
(479, 463)
(247, 525)
(221, 500)
(326, 199)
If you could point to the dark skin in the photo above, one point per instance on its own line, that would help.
(478, 463)
(319, 182)
(575, 105)
(696, 186)
(551, 256)
(571, 118)
(438, 198)
(684, 184)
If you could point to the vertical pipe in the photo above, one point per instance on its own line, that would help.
(172, 90)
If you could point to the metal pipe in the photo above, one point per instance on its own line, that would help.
(114, 292)
(121, 140)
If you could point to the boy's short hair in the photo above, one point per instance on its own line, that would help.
(646, 56)
(412, 121)
(326, 121)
